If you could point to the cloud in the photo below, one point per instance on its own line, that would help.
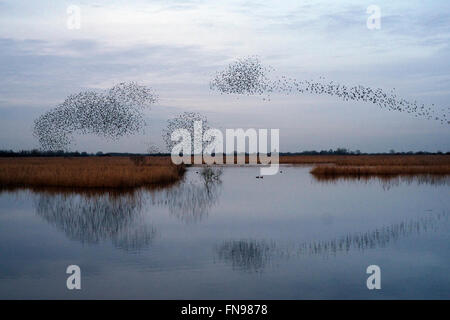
(175, 47)
(40, 72)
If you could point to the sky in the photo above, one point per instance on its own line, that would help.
(176, 47)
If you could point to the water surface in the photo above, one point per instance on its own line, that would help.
(287, 236)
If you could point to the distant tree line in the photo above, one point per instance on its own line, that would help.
(344, 151)
(39, 153)
(61, 153)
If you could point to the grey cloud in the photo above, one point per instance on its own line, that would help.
(27, 71)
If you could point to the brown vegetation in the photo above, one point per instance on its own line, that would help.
(138, 171)
(89, 172)
(383, 165)
(378, 170)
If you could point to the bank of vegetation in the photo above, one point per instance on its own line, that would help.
(88, 172)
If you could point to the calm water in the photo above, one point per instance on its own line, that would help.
(282, 237)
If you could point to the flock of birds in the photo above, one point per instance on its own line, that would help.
(185, 121)
(118, 111)
(114, 113)
(248, 76)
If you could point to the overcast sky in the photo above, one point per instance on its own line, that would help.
(175, 47)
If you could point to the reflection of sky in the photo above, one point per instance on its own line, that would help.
(265, 222)
(175, 46)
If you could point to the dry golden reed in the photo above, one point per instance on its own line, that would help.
(384, 165)
(91, 172)
(131, 172)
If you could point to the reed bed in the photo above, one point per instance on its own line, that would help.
(384, 165)
(91, 172)
(139, 171)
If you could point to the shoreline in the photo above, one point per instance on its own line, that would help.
(121, 173)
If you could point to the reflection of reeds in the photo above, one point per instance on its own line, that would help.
(92, 172)
(388, 181)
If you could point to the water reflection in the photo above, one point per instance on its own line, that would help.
(388, 182)
(377, 238)
(94, 217)
(254, 238)
(246, 255)
(254, 256)
(192, 201)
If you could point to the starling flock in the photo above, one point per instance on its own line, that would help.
(185, 121)
(118, 111)
(244, 76)
(112, 114)
(248, 76)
